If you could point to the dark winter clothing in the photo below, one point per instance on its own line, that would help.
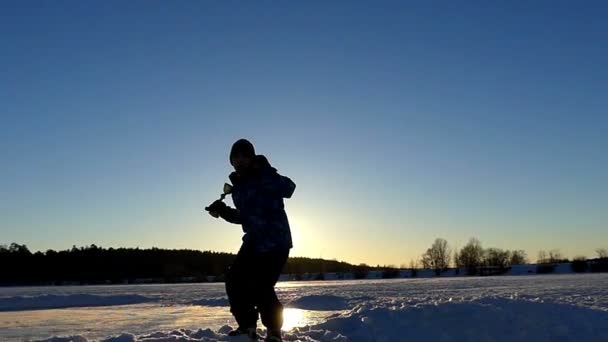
(258, 192)
(258, 197)
(250, 287)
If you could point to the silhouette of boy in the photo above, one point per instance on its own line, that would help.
(258, 192)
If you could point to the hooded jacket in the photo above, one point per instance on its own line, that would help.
(258, 198)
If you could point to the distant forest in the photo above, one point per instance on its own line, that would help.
(97, 265)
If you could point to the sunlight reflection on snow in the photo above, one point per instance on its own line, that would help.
(294, 318)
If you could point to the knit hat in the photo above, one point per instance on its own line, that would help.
(242, 146)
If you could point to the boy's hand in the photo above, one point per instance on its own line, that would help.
(216, 208)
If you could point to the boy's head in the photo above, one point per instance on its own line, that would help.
(242, 155)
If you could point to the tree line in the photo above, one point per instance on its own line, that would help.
(474, 259)
(98, 265)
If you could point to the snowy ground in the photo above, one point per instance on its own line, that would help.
(532, 308)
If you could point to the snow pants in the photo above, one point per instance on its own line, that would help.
(250, 285)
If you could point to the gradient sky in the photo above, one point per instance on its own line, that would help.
(399, 121)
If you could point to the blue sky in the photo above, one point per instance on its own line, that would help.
(400, 122)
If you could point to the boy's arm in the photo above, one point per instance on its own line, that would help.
(273, 182)
(227, 213)
(287, 186)
(280, 185)
(231, 215)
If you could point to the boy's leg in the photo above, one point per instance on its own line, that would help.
(239, 290)
(269, 306)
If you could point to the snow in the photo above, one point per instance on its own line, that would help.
(320, 302)
(221, 301)
(488, 319)
(505, 308)
(484, 319)
(65, 301)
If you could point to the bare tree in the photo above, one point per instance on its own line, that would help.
(496, 257)
(413, 268)
(602, 253)
(518, 257)
(542, 257)
(456, 258)
(555, 256)
(425, 262)
(438, 256)
(470, 256)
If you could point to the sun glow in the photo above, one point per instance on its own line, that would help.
(293, 318)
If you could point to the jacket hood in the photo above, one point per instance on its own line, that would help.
(261, 165)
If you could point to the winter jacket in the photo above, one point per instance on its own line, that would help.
(258, 197)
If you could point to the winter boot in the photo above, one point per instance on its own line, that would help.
(273, 336)
(249, 332)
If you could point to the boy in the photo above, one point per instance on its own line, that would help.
(258, 192)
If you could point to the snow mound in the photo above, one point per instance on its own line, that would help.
(487, 319)
(490, 319)
(43, 302)
(320, 302)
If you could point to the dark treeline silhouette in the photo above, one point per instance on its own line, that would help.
(97, 265)
(472, 258)
(476, 260)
